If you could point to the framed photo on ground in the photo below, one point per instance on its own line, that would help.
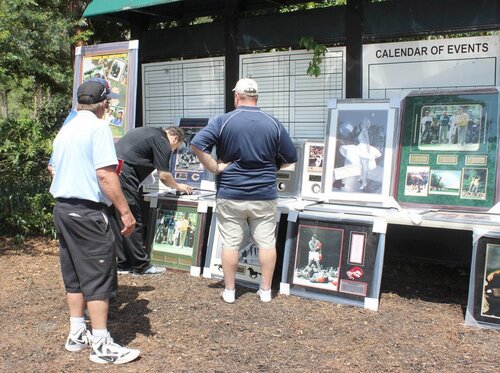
(312, 169)
(360, 140)
(179, 237)
(334, 258)
(449, 149)
(483, 307)
(248, 271)
(117, 63)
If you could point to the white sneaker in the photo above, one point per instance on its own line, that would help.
(78, 341)
(265, 295)
(153, 270)
(105, 351)
(228, 295)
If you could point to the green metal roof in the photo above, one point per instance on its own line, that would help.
(100, 7)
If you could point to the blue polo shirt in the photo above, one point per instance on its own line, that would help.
(256, 143)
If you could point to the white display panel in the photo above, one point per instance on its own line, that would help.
(298, 100)
(390, 69)
(182, 89)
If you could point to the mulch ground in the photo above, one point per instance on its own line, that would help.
(180, 324)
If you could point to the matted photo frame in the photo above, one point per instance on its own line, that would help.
(448, 156)
(483, 306)
(360, 143)
(117, 63)
(312, 169)
(248, 271)
(180, 233)
(334, 259)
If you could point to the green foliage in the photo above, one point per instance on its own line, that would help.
(319, 51)
(25, 204)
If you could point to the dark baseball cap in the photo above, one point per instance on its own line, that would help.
(94, 90)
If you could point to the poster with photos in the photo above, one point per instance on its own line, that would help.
(186, 165)
(248, 271)
(312, 169)
(117, 64)
(338, 261)
(179, 236)
(483, 307)
(449, 149)
(359, 150)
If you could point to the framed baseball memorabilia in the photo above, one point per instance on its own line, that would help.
(483, 306)
(449, 149)
(186, 167)
(179, 238)
(312, 169)
(117, 63)
(360, 142)
(334, 258)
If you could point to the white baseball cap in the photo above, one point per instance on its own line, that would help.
(247, 87)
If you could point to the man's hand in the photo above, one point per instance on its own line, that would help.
(128, 222)
(221, 166)
(184, 188)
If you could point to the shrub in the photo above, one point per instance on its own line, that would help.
(25, 203)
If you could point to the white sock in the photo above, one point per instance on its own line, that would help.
(76, 323)
(98, 334)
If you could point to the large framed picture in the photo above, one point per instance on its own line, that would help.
(248, 271)
(334, 259)
(360, 140)
(117, 63)
(312, 169)
(483, 306)
(186, 167)
(180, 233)
(449, 149)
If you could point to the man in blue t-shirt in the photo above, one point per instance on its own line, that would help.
(251, 147)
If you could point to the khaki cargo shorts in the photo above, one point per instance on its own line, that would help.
(233, 216)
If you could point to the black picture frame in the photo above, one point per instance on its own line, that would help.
(343, 266)
(483, 307)
(186, 167)
(171, 245)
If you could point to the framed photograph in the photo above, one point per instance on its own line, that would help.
(335, 259)
(449, 149)
(118, 64)
(359, 150)
(248, 271)
(187, 169)
(312, 169)
(483, 307)
(179, 237)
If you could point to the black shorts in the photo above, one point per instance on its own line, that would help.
(87, 248)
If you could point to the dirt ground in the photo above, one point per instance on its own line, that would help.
(180, 324)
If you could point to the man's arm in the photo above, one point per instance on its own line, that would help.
(208, 161)
(167, 179)
(110, 184)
